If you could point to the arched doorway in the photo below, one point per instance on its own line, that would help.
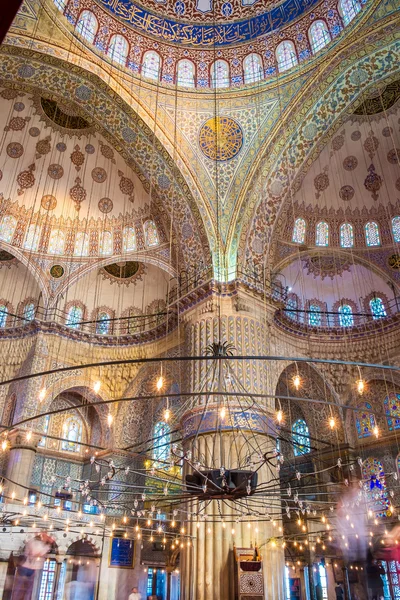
(79, 572)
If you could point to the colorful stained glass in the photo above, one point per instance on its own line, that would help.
(375, 486)
(151, 65)
(29, 311)
(103, 323)
(81, 247)
(118, 49)
(319, 36)
(75, 316)
(32, 238)
(72, 434)
(129, 239)
(220, 74)
(299, 231)
(322, 234)
(151, 234)
(365, 421)
(253, 69)
(346, 235)
(7, 228)
(106, 243)
(300, 438)
(396, 228)
(286, 56)
(392, 410)
(346, 318)
(47, 580)
(377, 308)
(87, 25)
(372, 234)
(314, 315)
(185, 73)
(162, 444)
(56, 242)
(349, 9)
(3, 315)
(60, 4)
(291, 308)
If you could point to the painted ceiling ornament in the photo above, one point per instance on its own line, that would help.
(379, 101)
(9, 94)
(15, 150)
(26, 179)
(107, 151)
(346, 193)
(19, 107)
(77, 193)
(105, 205)
(326, 266)
(373, 182)
(371, 144)
(61, 146)
(321, 182)
(48, 202)
(55, 171)
(220, 138)
(126, 186)
(393, 156)
(77, 157)
(124, 272)
(338, 141)
(90, 149)
(350, 163)
(356, 135)
(43, 147)
(387, 131)
(34, 131)
(56, 271)
(99, 175)
(17, 124)
(394, 261)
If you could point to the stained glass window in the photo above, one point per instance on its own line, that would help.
(47, 579)
(372, 234)
(323, 581)
(162, 449)
(253, 69)
(346, 318)
(220, 74)
(60, 4)
(319, 35)
(42, 441)
(32, 238)
(29, 311)
(118, 49)
(103, 323)
(322, 234)
(106, 243)
(314, 315)
(396, 228)
(7, 228)
(129, 239)
(392, 410)
(56, 242)
(81, 247)
(151, 65)
(87, 25)
(75, 316)
(365, 421)
(299, 231)
(151, 233)
(72, 434)
(349, 9)
(300, 438)
(291, 308)
(185, 73)
(377, 308)
(3, 315)
(346, 235)
(286, 56)
(375, 486)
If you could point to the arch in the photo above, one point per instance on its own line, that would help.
(372, 237)
(374, 480)
(286, 56)
(346, 235)
(315, 310)
(151, 65)
(322, 234)
(185, 73)
(7, 228)
(299, 231)
(392, 410)
(118, 49)
(56, 242)
(253, 68)
(220, 77)
(346, 318)
(365, 420)
(74, 316)
(300, 438)
(87, 25)
(128, 239)
(151, 234)
(103, 322)
(32, 237)
(292, 307)
(4, 313)
(319, 35)
(377, 308)
(29, 311)
(106, 243)
(348, 10)
(72, 431)
(396, 228)
(81, 245)
(162, 447)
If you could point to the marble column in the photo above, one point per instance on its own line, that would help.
(21, 457)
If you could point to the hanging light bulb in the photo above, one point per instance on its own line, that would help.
(160, 382)
(376, 431)
(167, 415)
(332, 423)
(279, 416)
(4, 445)
(222, 412)
(296, 381)
(29, 436)
(42, 394)
(97, 386)
(360, 386)
(110, 419)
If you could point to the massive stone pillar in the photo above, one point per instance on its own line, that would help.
(21, 457)
(231, 432)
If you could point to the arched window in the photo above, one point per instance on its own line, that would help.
(372, 234)
(42, 441)
(377, 308)
(129, 239)
(103, 323)
(56, 242)
(32, 238)
(106, 243)
(314, 315)
(291, 307)
(74, 317)
(151, 65)
(365, 421)
(29, 311)
(286, 56)
(60, 4)
(346, 318)
(300, 438)
(396, 228)
(319, 35)
(162, 444)
(185, 73)
(72, 434)
(322, 234)
(348, 10)
(81, 247)
(3, 315)
(392, 410)
(118, 49)
(376, 496)
(299, 231)
(220, 74)
(7, 228)
(253, 68)
(346, 235)
(87, 25)
(151, 233)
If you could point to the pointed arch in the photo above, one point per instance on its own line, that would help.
(151, 65)
(253, 68)
(220, 77)
(322, 234)
(118, 49)
(372, 236)
(87, 25)
(299, 231)
(348, 10)
(8, 226)
(300, 438)
(185, 73)
(346, 235)
(319, 35)
(56, 242)
(32, 237)
(286, 56)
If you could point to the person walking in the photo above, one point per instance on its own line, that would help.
(135, 595)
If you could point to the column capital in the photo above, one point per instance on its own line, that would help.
(23, 438)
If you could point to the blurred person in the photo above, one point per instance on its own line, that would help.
(134, 595)
(339, 592)
(32, 560)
